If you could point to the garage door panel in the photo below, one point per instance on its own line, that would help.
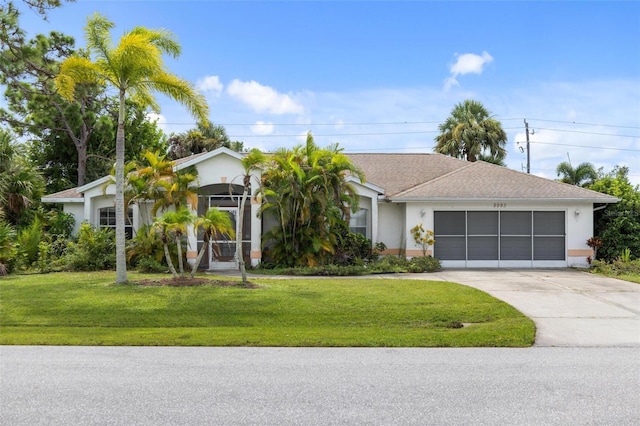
(482, 223)
(449, 223)
(515, 248)
(450, 248)
(548, 223)
(515, 223)
(483, 248)
(548, 248)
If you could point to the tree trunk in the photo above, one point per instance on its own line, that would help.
(167, 255)
(121, 260)
(178, 241)
(239, 253)
(200, 256)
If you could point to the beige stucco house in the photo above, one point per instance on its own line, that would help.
(483, 215)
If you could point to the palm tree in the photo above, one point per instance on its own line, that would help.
(214, 222)
(583, 175)
(307, 191)
(135, 68)
(470, 132)
(252, 161)
(174, 224)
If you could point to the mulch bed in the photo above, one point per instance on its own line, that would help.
(193, 282)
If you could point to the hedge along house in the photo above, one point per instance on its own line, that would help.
(483, 215)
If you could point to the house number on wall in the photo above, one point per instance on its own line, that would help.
(499, 205)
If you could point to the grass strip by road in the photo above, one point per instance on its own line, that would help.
(88, 309)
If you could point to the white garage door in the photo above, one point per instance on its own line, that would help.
(500, 238)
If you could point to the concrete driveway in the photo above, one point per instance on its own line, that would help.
(569, 307)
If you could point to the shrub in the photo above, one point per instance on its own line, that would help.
(28, 240)
(147, 245)
(148, 264)
(616, 267)
(424, 264)
(95, 250)
(352, 248)
(7, 248)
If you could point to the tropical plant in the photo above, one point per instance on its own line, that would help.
(146, 244)
(134, 67)
(205, 138)
(213, 222)
(173, 225)
(7, 247)
(595, 243)
(618, 225)
(307, 192)
(582, 175)
(423, 238)
(21, 185)
(93, 251)
(471, 132)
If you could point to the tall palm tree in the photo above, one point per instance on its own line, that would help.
(251, 162)
(583, 175)
(135, 68)
(173, 224)
(214, 222)
(470, 132)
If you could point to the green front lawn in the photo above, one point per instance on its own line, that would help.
(88, 309)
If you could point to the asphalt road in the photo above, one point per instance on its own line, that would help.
(328, 386)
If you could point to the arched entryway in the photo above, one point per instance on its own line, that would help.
(221, 253)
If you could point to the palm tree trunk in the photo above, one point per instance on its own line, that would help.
(121, 260)
(205, 244)
(180, 263)
(167, 255)
(239, 235)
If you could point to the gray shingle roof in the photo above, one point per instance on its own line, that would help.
(436, 176)
(67, 193)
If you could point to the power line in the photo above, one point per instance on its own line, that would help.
(586, 146)
(586, 124)
(590, 133)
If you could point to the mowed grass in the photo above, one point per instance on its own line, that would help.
(88, 309)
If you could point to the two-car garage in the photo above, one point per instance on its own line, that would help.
(500, 238)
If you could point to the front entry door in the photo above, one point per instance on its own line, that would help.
(222, 249)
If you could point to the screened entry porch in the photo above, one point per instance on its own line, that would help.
(221, 250)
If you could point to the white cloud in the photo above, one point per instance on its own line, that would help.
(467, 63)
(263, 98)
(210, 84)
(262, 128)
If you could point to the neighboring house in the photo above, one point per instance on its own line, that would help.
(483, 215)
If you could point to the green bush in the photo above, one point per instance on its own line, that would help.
(28, 240)
(148, 264)
(616, 267)
(95, 250)
(385, 265)
(8, 249)
(146, 245)
(351, 248)
(424, 264)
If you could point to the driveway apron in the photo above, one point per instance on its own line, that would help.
(569, 307)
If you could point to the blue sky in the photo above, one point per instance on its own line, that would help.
(381, 76)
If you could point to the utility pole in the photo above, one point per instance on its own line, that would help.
(526, 127)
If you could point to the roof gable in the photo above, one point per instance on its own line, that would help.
(480, 180)
(431, 176)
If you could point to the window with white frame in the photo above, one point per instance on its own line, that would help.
(108, 220)
(358, 222)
